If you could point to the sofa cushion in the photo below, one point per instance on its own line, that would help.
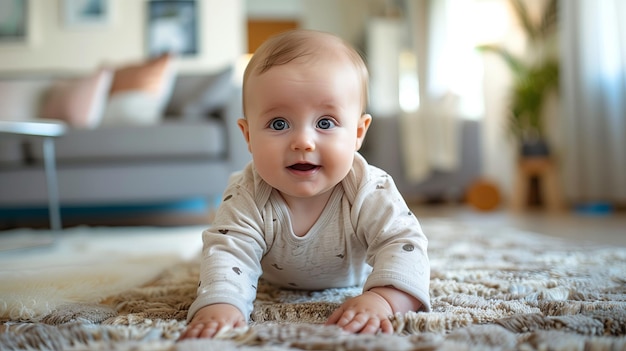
(139, 143)
(146, 76)
(20, 98)
(198, 95)
(80, 101)
(140, 92)
(132, 108)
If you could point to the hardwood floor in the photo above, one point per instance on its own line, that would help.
(609, 229)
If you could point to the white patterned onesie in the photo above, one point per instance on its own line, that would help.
(366, 235)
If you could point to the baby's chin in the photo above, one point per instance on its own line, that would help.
(304, 192)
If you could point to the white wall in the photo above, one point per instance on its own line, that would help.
(52, 46)
(345, 18)
(274, 9)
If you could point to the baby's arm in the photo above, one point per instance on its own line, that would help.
(211, 319)
(370, 312)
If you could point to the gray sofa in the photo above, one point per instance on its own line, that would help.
(188, 155)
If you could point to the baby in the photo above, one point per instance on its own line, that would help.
(308, 212)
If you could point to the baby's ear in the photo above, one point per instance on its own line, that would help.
(361, 129)
(243, 125)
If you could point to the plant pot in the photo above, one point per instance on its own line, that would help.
(535, 148)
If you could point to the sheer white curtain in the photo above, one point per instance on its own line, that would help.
(449, 71)
(593, 93)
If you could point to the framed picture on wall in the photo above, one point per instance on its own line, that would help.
(13, 21)
(172, 26)
(81, 14)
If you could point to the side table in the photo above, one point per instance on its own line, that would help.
(47, 130)
(545, 169)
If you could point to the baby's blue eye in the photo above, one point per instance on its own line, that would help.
(279, 124)
(325, 123)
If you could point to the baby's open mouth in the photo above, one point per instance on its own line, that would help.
(303, 167)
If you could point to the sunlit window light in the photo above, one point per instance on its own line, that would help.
(491, 22)
(409, 98)
(464, 75)
(240, 68)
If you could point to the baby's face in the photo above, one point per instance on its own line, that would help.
(304, 123)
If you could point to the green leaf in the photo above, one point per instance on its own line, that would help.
(515, 64)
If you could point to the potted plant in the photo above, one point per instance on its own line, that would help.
(535, 75)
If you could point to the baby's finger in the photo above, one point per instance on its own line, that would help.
(334, 317)
(240, 323)
(210, 329)
(371, 327)
(357, 323)
(347, 317)
(192, 331)
(386, 326)
(342, 317)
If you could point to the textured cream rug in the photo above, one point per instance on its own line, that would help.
(83, 265)
(492, 289)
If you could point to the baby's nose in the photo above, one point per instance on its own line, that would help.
(303, 141)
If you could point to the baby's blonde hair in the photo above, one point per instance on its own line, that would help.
(288, 46)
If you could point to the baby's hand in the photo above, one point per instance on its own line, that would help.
(365, 314)
(211, 319)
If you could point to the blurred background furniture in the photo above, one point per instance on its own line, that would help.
(541, 172)
(381, 149)
(47, 130)
(185, 151)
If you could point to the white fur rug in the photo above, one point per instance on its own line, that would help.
(83, 265)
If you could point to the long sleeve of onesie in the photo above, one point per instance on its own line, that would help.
(396, 245)
(232, 250)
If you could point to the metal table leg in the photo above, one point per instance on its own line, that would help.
(52, 184)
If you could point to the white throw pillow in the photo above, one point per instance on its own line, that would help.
(131, 108)
(139, 93)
